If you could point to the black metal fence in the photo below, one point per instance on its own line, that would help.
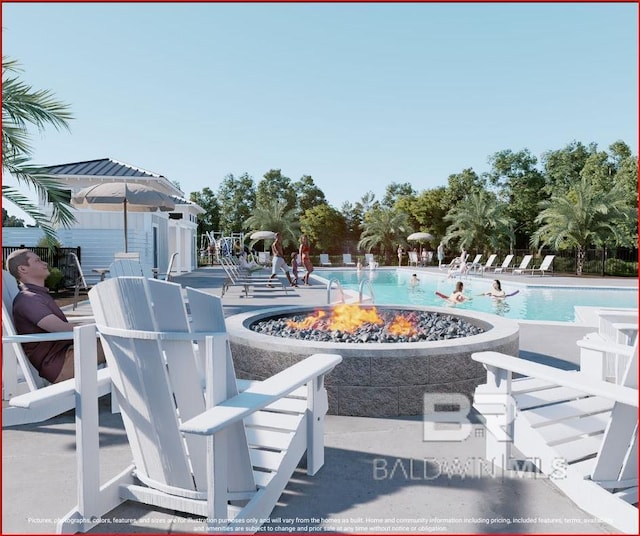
(56, 258)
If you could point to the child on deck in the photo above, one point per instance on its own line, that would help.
(294, 268)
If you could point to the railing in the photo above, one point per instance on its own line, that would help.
(361, 291)
(339, 287)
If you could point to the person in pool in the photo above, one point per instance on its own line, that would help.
(414, 281)
(496, 290)
(458, 295)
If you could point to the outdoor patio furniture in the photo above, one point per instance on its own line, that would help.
(523, 265)
(30, 398)
(125, 268)
(81, 279)
(545, 266)
(488, 264)
(346, 259)
(579, 431)
(236, 279)
(324, 260)
(413, 258)
(505, 264)
(215, 452)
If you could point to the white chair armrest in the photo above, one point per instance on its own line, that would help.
(606, 346)
(575, 380)
(260, 395)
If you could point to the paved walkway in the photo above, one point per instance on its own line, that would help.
(379, 474)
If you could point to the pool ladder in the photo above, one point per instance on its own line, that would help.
(330, 285)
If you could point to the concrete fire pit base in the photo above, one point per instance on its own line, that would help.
(376, 380)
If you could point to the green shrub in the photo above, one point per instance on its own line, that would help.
(564, 265)
(55, 280)
(621, 268)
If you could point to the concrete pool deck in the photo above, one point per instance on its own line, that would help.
(379, 474)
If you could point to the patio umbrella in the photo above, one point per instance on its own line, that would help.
(114, 196)
(262, 235)
(420, 236)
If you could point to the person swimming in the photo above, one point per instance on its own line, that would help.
(496, 290)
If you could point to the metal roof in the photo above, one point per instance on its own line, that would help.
(104, 167)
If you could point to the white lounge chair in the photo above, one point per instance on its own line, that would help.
(245, 281)
(324, 260)
(578, 430)
(216, 453)
(545, 265)
(346, 259)
(505, 264)
(475, 265)
(413, 258)
(488, 264)
(523, 265)
(30, 398)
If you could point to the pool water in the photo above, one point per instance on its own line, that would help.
(531, 303)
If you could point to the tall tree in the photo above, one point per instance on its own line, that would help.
(309, 195)
(396, 191)
(210, 220)
(428, 210)
(384, 229)
(519, 185)
(274, 186)
(236, 200)
(459, 186)
(276, 217)
(583, 217)
(352, 223)
(325, 228)
(562, 167)
(11, 221)
(23, 106)
(479, 222)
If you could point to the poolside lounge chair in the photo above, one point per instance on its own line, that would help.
(324, 260)
(523, 265)
(370, 261)
(579, 431)
(213, 452)
(30, 398)
(245, 281)
(545, 266)
(505, 264)
(488, 264)
(346, 259)
(413, 258)
(475, 263)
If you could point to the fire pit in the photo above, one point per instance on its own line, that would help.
(394, 356)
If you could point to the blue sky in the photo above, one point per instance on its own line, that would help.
(355, 95)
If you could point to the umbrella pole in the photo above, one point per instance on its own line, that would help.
(126, 242)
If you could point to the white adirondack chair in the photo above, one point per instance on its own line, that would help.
(523, 265)
(215, 452)
(324, 259)
(125, 268)
(580, 431)
(30, 398)
(413, 258)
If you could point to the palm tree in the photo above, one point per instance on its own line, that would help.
(384, 228)
(480, 222)
(585, 215)
(275, 217)
(23, 106)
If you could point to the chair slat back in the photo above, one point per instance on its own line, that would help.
(159, 380)
(140, 378)
(490, 260)
(546, 262)
(14, 350)
(125, 268)
(617, 458)
(525, 262)
(507, 261)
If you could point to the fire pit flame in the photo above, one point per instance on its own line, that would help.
(348, 318)
(402, 326)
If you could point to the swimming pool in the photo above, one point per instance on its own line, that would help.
(531, 303)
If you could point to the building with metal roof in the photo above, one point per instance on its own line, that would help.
(100, 234)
